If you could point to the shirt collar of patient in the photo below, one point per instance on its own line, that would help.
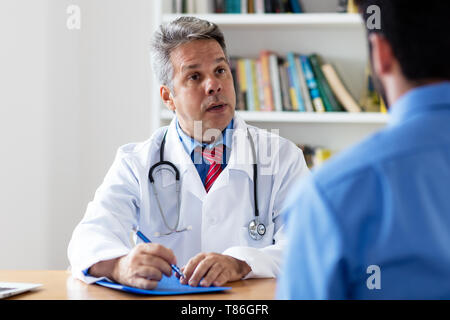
(190, 144)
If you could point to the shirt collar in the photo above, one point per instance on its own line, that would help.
(420, 100)
(190, 144)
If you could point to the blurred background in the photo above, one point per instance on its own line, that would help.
(67, 102)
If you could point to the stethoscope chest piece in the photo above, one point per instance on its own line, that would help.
(256, 230)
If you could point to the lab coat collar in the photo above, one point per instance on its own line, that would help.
(241, 158)
(183, 161)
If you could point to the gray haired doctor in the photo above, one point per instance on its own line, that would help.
(207, 190)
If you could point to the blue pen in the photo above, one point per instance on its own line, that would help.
(147, 240)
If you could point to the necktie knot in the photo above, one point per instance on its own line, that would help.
(213, 155)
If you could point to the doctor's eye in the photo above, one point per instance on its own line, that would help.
(194, 77)
(221, 70)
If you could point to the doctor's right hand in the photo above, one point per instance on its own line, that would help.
(141, 268)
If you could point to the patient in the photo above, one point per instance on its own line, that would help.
(374, 222)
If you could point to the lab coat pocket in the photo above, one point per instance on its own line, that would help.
(266, 240)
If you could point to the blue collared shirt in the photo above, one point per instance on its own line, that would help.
(191, 144)
(374, 222)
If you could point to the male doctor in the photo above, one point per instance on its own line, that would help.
(207, 227)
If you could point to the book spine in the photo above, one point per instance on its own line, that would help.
(250, 89)
(296, 7)
(191, 8)
(295, 80)
(303, 86)
(285, 88)
(244, 6)
(203, 6)
(339, 89)
(292, 91)
(259, 6)
(330, 103)
(242, 74)
(263, 106)
(312, 85)
(267, 86)
(255, 85)
(275, 81)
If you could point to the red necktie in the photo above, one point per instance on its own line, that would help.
(214, 157)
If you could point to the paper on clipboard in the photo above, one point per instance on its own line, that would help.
(166, 286)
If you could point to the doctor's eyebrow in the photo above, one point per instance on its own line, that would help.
(198, 65)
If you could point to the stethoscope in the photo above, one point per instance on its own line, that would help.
(256, 229)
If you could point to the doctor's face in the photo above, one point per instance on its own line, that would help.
(203, 87)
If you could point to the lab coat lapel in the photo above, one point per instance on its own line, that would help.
(240, 157)
(176, 153)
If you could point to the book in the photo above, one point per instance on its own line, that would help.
(203, 6)
(295, 82)
(266, 81)
(351, 7)
(275, 80)
(263, 106)
(312, 85)
(284, 81)
(303, 87)
(250, 88)
(244, 6)
(259, 6)
(339, 89)
(242, 81)
(370, 100)
(177, 6)
(296, 6)
(330, 102)
(190, 6)
(292, 91)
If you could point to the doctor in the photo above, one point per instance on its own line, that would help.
(224, 224)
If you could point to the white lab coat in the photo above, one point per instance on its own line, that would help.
(218, 220)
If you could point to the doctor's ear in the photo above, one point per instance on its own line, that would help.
(167, 97)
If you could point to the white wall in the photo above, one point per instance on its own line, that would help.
(68, 100)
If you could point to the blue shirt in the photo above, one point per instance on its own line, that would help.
(384, 204)
(201, 164)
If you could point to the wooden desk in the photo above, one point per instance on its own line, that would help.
(59, 285)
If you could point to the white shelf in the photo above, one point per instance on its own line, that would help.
(271, 20)
(305, 117)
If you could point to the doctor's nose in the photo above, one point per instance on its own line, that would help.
(213, 86)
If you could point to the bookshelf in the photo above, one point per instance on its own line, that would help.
(338, 37)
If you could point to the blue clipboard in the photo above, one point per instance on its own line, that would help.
(166, 286)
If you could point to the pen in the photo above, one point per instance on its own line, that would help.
(147, 240)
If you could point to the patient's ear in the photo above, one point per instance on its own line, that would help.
(167, 97)
(382, 55)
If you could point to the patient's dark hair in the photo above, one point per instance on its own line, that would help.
(418, 32)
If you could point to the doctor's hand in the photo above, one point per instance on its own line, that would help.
(215, 269)
(142, 267)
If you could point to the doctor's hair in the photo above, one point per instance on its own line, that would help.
(173, 34)
(417, 32)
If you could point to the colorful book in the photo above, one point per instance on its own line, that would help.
(266, 81)
(275, 80)
(284, 81)
(296, 6)
(260, 85)
(339, 89)
(242, 75)
(312, 85)
(303, 86)
(330, 102)
(292, 91)
(295, 82)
